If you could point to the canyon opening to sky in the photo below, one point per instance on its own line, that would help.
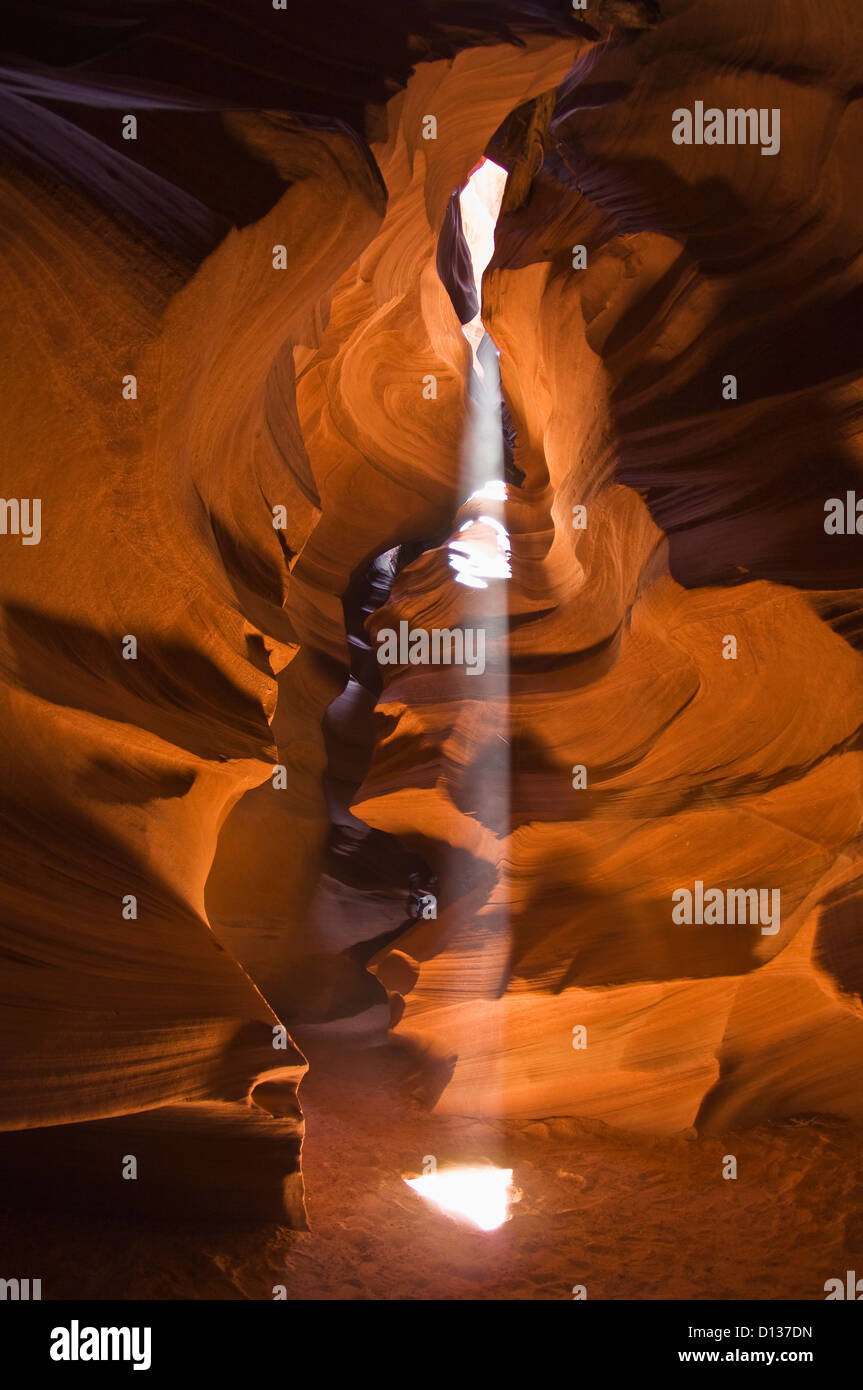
(431, 652)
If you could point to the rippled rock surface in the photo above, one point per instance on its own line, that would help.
(225, 837)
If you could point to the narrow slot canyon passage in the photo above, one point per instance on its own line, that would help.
(431, 654)
(398, 1083)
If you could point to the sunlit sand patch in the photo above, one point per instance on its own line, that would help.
(481, 1195)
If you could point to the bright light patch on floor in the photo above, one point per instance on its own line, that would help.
(480, 1195)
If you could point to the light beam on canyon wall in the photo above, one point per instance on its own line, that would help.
(210, 843)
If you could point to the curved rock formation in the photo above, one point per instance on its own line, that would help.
(145, 636)
(238, 384)
(705, 519)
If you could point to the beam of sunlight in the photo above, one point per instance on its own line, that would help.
(484, 554)
(481, 551)
(479, 556)
(480, 1196)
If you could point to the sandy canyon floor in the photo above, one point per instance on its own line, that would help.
(629, 1217)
